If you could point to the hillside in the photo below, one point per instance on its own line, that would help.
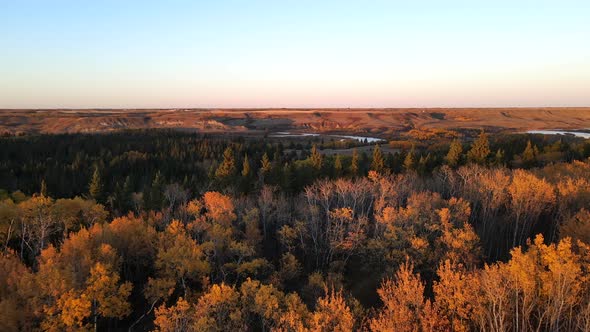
(380, 122)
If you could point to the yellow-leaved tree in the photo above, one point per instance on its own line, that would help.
(332, 314)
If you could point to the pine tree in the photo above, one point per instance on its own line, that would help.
(246, 179)
(287, 177)
(378, 163)
(499, 157)
(211, 171)
(156, 196)
(338, 166)
(276, 159)
(354, 164)
(266, 165)
(529, 156)
(127, 202)
(95, 186)
(409, 163)
(227, 168)
(43, 189)
(316, 158)
(423, 164)
(264, 173)
(246, 167)
(480, 150)
(453, 158)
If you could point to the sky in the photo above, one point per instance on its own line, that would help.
(281, 53)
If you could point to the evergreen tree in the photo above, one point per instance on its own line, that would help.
(423, 164)
(211, 171)
(95, 186)
(116, 199)
(316, 158)
(453, 158)
(378, 163)
(245, 179)
(246, 172)
(480, 150)
(43, 189)
(389, 162)
(529, 156)
(287, 178)
(354, 164)
(266, 165)
(265, 169)
(276, 168)
(499, 158)
(276, 158)
(227, 168)
(409, 163)
(127, 194)
(337, 166)
(156, 193)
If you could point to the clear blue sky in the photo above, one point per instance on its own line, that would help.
(294, 53)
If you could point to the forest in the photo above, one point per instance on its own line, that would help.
(157, 230)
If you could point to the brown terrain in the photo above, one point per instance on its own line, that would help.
(377, 122)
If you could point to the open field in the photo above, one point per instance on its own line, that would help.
(377, 122)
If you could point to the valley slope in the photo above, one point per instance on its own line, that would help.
(377, 122)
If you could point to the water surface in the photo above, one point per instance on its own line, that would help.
(560, 132)
(342, 137)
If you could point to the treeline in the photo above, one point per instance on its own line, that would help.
(465, 243)
(145, 161)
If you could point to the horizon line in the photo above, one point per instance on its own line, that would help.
(284, 108)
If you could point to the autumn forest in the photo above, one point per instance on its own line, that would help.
(159, 230)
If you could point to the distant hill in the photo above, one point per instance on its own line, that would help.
(374, 121)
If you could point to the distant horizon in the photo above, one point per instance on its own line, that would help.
(281, 108)
(307, 54)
